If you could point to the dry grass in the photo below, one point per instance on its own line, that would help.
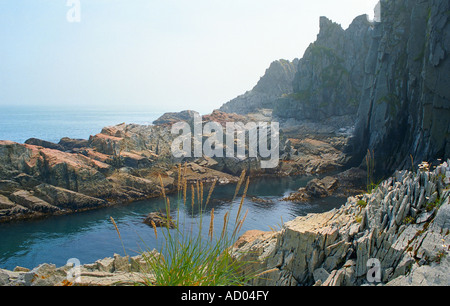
(190, 260)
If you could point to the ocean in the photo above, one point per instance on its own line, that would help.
(51, 124)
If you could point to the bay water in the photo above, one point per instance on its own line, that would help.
(89, 236)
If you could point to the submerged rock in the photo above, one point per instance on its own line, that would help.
(160, 220)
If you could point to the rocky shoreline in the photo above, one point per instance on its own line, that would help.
(378, 90)
(402, 227)
(123, 163)
(112, 271)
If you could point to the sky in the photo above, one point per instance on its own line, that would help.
(152, 55)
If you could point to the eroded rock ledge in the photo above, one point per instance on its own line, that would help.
(111, 271)
(403, 225)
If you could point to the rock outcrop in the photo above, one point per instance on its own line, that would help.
(120, 164)
(405, 106)
(344, 184)
(277, 81)
(330, 75)
(123, 162)
(172, 118)
(398, 235)
(159, 220)
(113, 271)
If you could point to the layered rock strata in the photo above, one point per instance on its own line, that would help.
(111, 271)
(397, 235)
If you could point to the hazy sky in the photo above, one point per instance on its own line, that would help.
(161, 55)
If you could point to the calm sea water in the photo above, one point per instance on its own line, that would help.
(21, 123)
(90, 236)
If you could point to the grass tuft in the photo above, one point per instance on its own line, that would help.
(186, 258)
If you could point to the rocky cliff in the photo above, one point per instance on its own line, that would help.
(388, 78)
(330, 75)
(277, 81)
(326, 82)
(404, 111)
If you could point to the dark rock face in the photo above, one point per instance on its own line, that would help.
(277, 81)
(405, 106)
(330, 75)
(159, 220)
(69, 144)
(44, 144)
(389, 78)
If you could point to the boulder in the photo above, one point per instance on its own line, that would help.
(321, 188)
(44, 144)
(160, 220)
(69, 144)
(172, 118)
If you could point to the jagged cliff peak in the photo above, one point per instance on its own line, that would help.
(329, 77)
(276, 81)
(329, 27)
(329, 71)
(277, 78)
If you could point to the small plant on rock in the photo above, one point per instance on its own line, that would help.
(361, 204)
(434, 205)
(409, 220)
(424, 167)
